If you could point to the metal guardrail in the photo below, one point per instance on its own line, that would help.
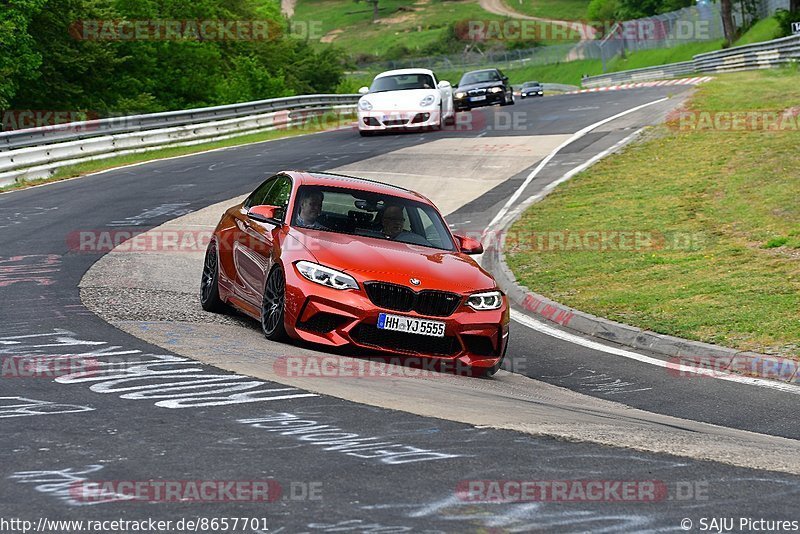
(755, 56)
(134, 123)
(39, 152)
(640, 75)
(764, 55)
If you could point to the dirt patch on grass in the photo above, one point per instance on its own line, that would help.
(330, 36)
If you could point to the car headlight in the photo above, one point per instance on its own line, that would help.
(461, 94)
(495, 89)
(326, 276)
(427, 101)
(364, 105)
(491, 300)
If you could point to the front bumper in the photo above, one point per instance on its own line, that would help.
(469, 102)
(381, 121)
(327, 316)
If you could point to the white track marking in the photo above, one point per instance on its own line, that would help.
(673, 366)
(577, 135)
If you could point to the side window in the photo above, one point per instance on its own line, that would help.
(257, 197)
(431, 232)
(279, 193)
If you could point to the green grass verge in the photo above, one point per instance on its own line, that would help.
(662, 56)
(318, 124)
(551, 9)
(763, 30)
(732, 194)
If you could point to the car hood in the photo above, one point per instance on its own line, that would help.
(481, 85)
(390, 261)
(399, 100)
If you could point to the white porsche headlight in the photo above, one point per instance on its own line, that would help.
(491, 300)
(326, 276)
(427, 101)
(496, 90)
(364, 105)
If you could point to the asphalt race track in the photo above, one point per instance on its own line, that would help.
(377, 462)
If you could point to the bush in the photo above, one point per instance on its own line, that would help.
(785, 20)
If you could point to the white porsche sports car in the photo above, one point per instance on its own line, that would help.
(405, 99)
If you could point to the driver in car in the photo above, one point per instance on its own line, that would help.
(310, 208)
(392, 223)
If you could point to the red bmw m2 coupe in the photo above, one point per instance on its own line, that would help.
(338, 260)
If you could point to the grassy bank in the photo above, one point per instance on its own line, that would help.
(721, 208)
(314, 124)
(410, 24)
(551, 9)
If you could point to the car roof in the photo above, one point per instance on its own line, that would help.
(404, 71)
(353, 182)
(481, 70)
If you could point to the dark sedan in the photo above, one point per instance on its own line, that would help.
(531, 89)
(483, 88)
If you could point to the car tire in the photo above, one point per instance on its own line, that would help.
(440, 125)
(451, 120)
(507, 101)
(273, 306)
(209, 283)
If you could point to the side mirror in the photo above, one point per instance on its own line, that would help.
(444, 84)
(363, 90)
(267, 214)
(469, 245)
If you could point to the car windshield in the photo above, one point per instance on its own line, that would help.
(372, 215)
(530, 84)
(401, 82)
(479, 77)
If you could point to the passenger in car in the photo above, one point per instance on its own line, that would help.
(392, 222)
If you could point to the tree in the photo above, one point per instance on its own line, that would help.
(19, 59)
(374, 8)
(603, 12)
(727, 21)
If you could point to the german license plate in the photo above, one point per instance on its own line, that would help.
(477, 98)
(411, 325)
